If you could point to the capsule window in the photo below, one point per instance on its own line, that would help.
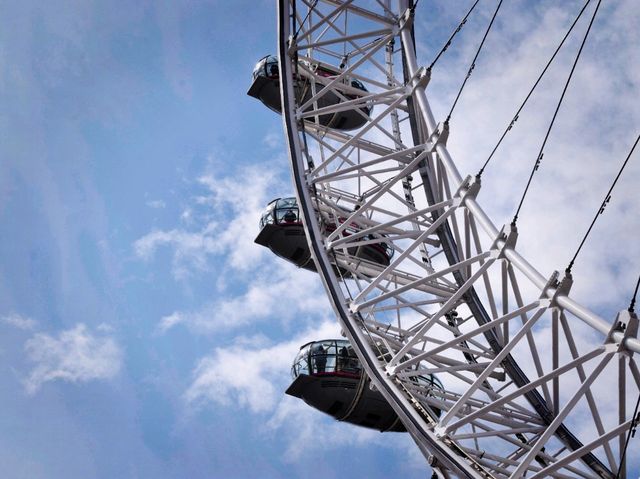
(301, 363)
(355, 83)
(267, 217)
(286, 211)
(288, 215)
(266, 67)
(287, 203)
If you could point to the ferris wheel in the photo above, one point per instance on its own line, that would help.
(530, 383)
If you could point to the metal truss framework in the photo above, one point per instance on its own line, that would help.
(536, 385)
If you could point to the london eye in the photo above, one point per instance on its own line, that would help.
(450, 333)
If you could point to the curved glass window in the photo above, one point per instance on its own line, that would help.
(332, 356)
(355, 83)
(282, 211)
(266, 67)
(267, 215)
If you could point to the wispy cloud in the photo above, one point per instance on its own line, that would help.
(76, 355)
(20, 322)
(273, 140)
(190, 249)
(302, 427)
(282, 292)
(593, 132)
(251, 375)
(248, 375)
(156, 204)
(175, 68)
(221, 222)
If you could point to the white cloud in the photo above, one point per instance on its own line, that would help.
(18, 321)
(191, 249)
(186, 216)
(222, 223)
(305, 426)
(273, 140)
(76, 355)
(248, 375)
(240, 200)
(283, 292)
(156, 204)
(302, 426)
(105, 328)
(252, 375)
(592, 135)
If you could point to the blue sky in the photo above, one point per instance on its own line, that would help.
(142, 333)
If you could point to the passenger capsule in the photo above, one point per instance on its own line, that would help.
(310, 77)
(282, 232)
(328, 376)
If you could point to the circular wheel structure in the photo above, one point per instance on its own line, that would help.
(525, 395)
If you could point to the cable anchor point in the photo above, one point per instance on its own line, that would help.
(624, 326)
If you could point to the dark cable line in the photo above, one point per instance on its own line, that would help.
(606, 200)
(305, 18)
(555, 114)
(473, 62)
(517, 114)
(633, 299)
(458, 28)
(630, 434)
(346, 56)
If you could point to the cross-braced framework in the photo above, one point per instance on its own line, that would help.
(536, 385)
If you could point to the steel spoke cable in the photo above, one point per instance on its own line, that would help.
(555, 115)
(632, 432)
(313, 5)
(522, 105)
(455, 32)
(603, 205)
(347, 55)
(633, 298)
(473, 62)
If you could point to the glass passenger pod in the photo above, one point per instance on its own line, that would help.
(265, 87)
(328, 376)
(281, 231)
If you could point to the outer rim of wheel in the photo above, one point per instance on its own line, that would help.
(405, 411)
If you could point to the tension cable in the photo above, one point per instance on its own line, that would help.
(632, 432)
(517, 114)
(305, 18)
(633, 299)
(455, 32)
(555, 114)
(603, 205)
(473, 62)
